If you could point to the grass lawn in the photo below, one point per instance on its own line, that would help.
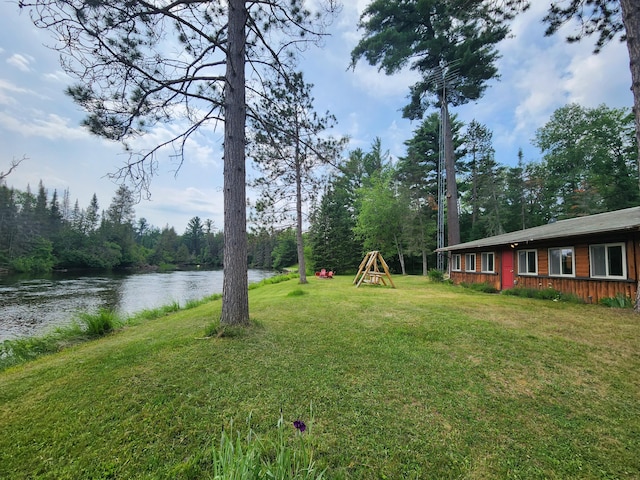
(424, 381)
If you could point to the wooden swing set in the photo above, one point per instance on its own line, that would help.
(369, 271)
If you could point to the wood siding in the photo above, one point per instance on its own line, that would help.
(591, 290)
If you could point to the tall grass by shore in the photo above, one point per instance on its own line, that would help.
(422, 381)
(91, 325)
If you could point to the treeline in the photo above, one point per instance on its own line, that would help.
(372, 202)
(589, 165)
(41, 232)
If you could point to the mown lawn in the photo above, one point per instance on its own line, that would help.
(422, 381)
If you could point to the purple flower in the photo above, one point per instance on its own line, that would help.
(299, 424)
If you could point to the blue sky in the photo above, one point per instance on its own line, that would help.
(37, 121)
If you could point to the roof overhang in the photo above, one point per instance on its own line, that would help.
(626, 220)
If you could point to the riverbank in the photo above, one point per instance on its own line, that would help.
(421, 381)
(34, 305)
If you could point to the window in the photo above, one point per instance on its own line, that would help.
(487, 262)
(608, 260)
(456, 262)
(528, 262)
(561, 262)
(470, 262)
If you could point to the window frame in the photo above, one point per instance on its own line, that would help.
(456, 262)
(526, 263)
(485, 255)
(466, 262)
(607, 275)
(573, 262)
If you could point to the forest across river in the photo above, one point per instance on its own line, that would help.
(31, 305)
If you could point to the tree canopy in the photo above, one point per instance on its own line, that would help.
(140, 64)
(453, 47)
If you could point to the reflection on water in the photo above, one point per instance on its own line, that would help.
(30, 306)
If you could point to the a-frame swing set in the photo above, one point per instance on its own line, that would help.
(369, 271)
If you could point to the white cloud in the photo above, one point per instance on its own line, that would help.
(58, 76)
(43, 125)
(174, 206)
(589, 80)
(539, 75)
(21, 62)
(380, 86)
(11, 87)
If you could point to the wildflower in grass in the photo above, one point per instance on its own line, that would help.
(299, 424)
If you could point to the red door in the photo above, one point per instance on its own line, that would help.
(507, 269)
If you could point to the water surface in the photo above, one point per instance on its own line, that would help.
(30, 306)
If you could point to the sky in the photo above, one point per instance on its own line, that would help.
(39, 123)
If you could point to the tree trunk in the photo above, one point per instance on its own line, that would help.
(235, 288)
(400, 254)
(423, 244)
(453, 221)
(425, 267)
(301, 265)
(631, 21)
(475, 211)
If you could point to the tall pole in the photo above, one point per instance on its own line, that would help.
(445, 76)
(440, 263)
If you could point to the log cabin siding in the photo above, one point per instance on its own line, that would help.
(589, 289)
(580, 233)
(492, 279)
(582, 261)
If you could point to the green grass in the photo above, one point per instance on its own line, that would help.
(427, 380)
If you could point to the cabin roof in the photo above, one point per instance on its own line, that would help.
(619, 220)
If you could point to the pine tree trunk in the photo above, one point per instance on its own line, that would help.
(453, 221)
(301, 264)
(235, 288)
(631, 21)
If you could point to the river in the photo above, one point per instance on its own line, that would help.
(30, 306)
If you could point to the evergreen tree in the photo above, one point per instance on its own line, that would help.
(487, 183)
(451, 44)
(338, 212)
(92, 217)
(130, 81)
(333, 244)
(118, 225)
(290, 147)
(418, 172)
(516, 216)
(194, 237)
(8, 224)
(261, 244)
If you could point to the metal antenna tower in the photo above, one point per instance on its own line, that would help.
(444, 76)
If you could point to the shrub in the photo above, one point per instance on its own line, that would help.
(619, 301)
(548, 294)
(480, 287)
(435, 275)
(543, 294)
(521, 292)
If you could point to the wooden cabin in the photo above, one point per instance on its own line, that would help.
(593, 257)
